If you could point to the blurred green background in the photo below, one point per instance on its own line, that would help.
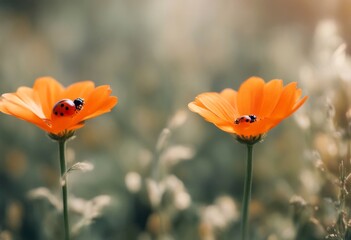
(152, 157)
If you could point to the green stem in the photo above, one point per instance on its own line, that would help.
(62, 147)
(247, 194)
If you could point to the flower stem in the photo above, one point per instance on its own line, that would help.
(247, 194)
(62, 148)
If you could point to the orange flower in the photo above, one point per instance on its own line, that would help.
(251, 111)
(36, 104)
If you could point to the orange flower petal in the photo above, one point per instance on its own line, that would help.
(271, 95)
(12, 105)
(96, 101)
(209, 116)
(250, 94)
(106, 107)
(226, 126)
(230, 95)
(49, 92)
(79, 90)
(218, 105)
(64, 123)
(30, 100)
(286, 101)
(299, 104)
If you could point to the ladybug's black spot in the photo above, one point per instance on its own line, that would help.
(56, 113)
(247, 120)
(61, 114)
(62, 105)
(66, 108)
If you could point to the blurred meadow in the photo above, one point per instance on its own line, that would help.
(153, 169)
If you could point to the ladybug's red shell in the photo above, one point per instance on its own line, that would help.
(64, 108)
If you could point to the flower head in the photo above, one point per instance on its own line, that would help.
(251, 111)
(37, 105)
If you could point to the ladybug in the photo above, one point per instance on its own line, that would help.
(67, 107)
(246, 119)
